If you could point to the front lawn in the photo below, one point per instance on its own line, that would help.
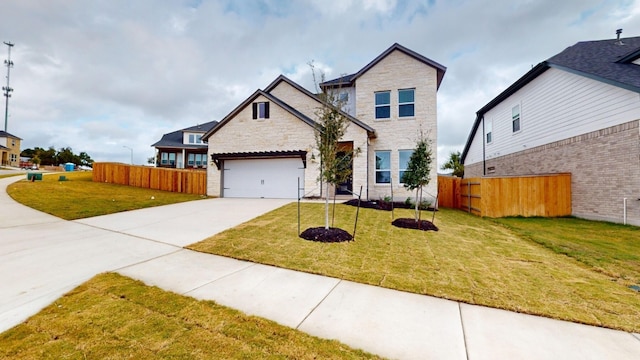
(611, 249)
(470, 259)
(114, 317)
(79, 197)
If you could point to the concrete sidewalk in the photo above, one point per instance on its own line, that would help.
(51, 256)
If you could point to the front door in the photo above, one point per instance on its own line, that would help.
(346, 187)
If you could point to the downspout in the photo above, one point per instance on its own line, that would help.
(484, 159)
(368, 164)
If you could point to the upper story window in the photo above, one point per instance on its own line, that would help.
(404, 156)
(383, 167)
(515, 118)
(488, 130)
(195, 139)
(406, 102)
(260, 110)
(383, 105)
(343, 97)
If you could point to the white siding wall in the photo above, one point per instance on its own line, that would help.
(474, 154)
(636, 61)
(555, 106)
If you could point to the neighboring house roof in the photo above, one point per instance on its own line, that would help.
(250, 100)
(4, 148)
(348, 80)
(607, 61)
(7, 135)
(281, 78)
(174, 139)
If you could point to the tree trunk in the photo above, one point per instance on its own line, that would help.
(417, 202)
(326, 207)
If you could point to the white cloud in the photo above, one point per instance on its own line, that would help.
(89, 74)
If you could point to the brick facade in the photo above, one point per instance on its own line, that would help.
(604, 167)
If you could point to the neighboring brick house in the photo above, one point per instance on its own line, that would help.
(577, 112)
(184, 149)
(267, 143)
(9, 149)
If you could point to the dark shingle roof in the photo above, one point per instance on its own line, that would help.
(7, 135)
(174, 139)
(601, 60)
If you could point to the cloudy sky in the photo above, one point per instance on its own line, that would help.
(102, 75)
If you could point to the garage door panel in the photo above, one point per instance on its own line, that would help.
(263, 178)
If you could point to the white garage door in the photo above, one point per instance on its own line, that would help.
(263, 178)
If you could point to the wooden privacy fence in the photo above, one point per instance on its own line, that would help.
(174, 180)
(538, 195)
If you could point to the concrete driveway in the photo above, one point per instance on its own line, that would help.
(42, 257)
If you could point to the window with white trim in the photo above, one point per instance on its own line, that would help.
(195, 138)
(403, 162)
(488, 131)
(383, 167)
(406, 102)
(168, 158)
(515, 118)
(383, 104)
(197, 160)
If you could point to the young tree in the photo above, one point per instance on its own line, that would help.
(454, 164)
(331, 126)
(416, 175)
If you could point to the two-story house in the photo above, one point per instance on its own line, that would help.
(577, 112)
(265, 147)
(9, 149)
(184, 149)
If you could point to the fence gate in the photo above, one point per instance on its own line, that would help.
(470, 198)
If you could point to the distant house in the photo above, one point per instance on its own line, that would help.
(183, 149)
(9, 149)
(264, 146)
(577, 112)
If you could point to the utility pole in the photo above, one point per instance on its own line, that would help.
(7, 89)
(130, 149)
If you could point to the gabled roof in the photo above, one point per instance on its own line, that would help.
(371, 131)
(174, 139)
(4, 134)
(348, 80)
(250, 100)
(603, 60)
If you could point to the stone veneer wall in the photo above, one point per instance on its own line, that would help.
(604, 167)
(394, 72)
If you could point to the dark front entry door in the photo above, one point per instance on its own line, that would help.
(346, 187)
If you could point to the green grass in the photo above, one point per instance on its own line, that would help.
(611, 249)
(79, 197)
(114, 317)
(470, 259)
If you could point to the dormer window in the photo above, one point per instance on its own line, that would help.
(260, 110)
(195, 139)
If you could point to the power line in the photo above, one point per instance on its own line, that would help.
(7, 89)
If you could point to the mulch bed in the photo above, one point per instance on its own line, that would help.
(326, 235)
(407, 223)
(382, 205)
